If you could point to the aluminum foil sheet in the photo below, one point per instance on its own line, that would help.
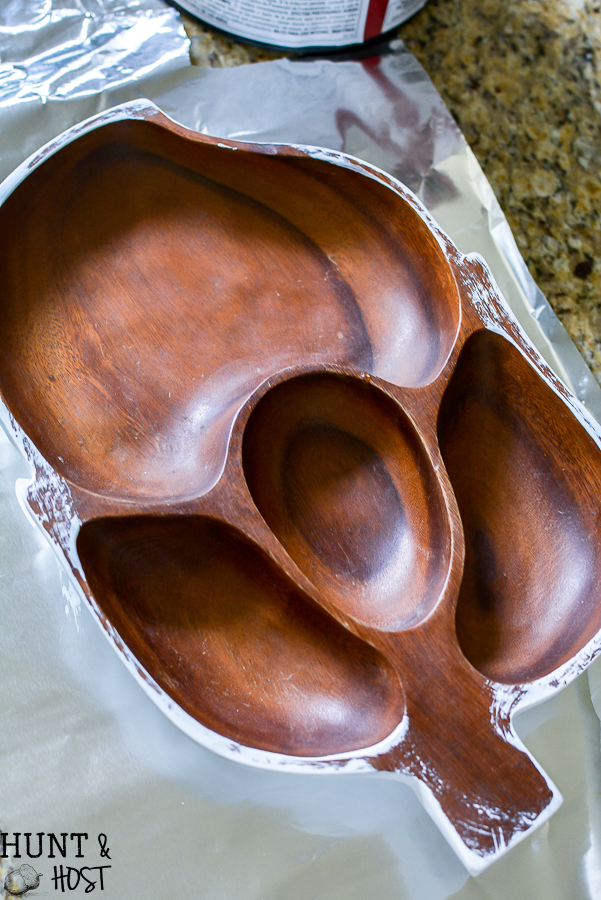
(83, 749)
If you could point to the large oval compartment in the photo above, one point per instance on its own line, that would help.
(152, 280)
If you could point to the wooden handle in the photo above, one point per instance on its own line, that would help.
(476, 779)
(485, 795)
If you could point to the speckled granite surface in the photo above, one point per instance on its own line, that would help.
(522, 80)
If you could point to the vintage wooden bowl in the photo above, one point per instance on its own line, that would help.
(328, 504)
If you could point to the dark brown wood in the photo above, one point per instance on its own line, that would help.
(341, 477)
(126, 377)
(268, 388)
(235, 641)
(526, 477)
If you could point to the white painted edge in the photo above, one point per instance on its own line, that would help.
(475, 862)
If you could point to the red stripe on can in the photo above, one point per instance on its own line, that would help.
(375, 18)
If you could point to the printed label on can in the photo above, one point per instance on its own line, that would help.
(304, 23)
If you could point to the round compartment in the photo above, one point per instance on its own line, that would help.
(341, 477)
(233, 641)
(151, 282)
(527, 478)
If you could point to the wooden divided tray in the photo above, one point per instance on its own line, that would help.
(328, 504)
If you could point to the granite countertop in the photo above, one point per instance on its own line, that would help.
(521, 79)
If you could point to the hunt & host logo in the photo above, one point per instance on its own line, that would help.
(23, 878)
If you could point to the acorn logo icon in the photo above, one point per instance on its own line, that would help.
(22, 880)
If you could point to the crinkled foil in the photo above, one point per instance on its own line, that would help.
(83, 749)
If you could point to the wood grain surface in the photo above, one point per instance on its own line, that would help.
(322, 502)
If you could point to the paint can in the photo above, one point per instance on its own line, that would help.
(304, 25)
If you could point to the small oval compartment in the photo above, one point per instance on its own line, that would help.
(527, 478)
(233, 641)
(343, 480)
